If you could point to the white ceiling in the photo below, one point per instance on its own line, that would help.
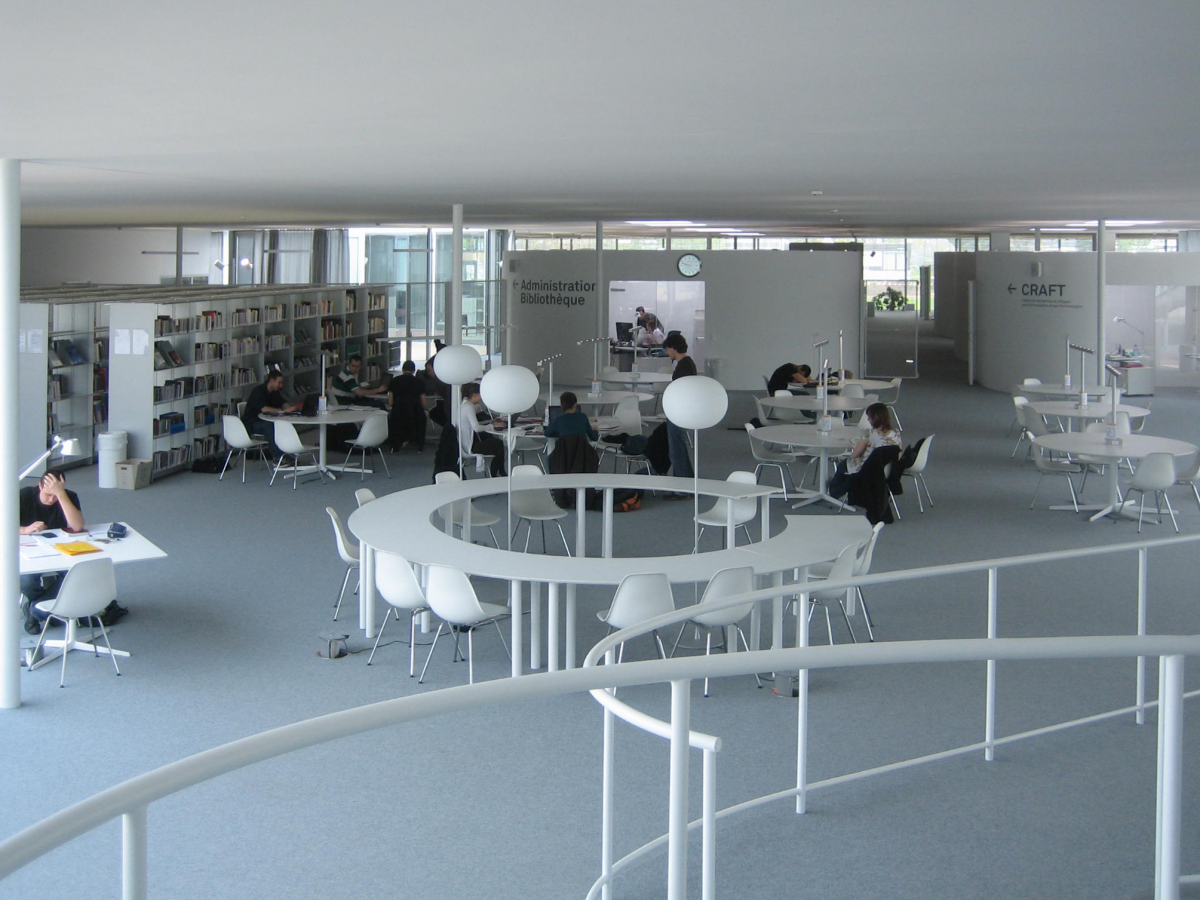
(926, 116)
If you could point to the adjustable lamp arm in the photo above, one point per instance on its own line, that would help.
(69, 448)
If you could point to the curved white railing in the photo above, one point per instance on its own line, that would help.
(131, 799)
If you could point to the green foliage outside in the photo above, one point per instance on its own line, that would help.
(889, 299)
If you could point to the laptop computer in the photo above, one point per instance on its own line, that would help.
(310, 405)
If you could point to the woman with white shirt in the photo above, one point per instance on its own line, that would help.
(471, 434)
(882, 434)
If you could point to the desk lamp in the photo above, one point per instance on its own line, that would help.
(826, 422)
(820, 381)
(508, 390)
(550, 385)
(841, 358)
(695, 402)
(69, 447)
(1125, 321)
(1111, 436)
(1083, 397)
(595, 342)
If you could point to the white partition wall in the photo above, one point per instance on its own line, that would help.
(762, 308)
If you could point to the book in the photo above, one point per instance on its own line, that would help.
(71, 351)
(168, 353)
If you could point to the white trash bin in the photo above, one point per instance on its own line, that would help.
(111, 450)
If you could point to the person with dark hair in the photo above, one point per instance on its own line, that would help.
(406, 408)
(470, 429)
(882, 434)
(440, 392)
(570, 420)
(788, 373)
(266, 398)
(676, 346)
(347, 388)
(47, 506)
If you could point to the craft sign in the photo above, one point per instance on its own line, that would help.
(1038, 290)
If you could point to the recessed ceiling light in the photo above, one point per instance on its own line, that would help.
(833, 210)
(710, 228)
(816, 193)
(1115, 223)
(664, 223)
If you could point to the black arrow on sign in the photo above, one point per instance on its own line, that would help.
(1011, 288)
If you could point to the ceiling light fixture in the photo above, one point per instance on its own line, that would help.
(817, 193)
(664, 223)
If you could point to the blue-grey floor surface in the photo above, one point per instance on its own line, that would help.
(505, 802)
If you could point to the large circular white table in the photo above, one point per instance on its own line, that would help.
(1132, 446)
(1058, 390)
(867, 384)
(635, 378)
(603, 398)
(401, 523)
(840, 439)
(1066, 409)
(812, 403)
(340, 416)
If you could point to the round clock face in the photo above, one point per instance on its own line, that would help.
(689, 265)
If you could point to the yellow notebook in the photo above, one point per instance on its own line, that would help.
(74, 548)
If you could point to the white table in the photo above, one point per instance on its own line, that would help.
(812, 403)
(867, 384)
(841, 439)
(1132, 446)
(603, 398)
(375, 526)
(635, 378)
(38, 556)
(1066, 409)
(345, 415)
(1058, 390)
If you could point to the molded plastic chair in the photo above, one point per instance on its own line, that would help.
(347, 549)
(452, 599)
(86, 589)
(772, 459)
(397, 584)
(917, 472)
(743, 509)
(1155, 473)
(239, 440)
(1048, 466)
(531, 506)
(783, 414)
(530, 443)
(862, 566)
(629, 421)
(853, 390)
(889, 396)
(724, 583)
(1029, 382)
(479, 518)
(639, 597)
(1018, 402)
(372, 436)
(842, 568)
(290, 445)
(1189, 475)
(363, 496)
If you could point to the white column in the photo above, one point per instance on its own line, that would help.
(10, 298)
(677, 814)
(1170, 778)
(134, 855)
(454, 310)
(601, 292)
(1101, 301)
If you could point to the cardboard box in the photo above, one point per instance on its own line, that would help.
(133, 474)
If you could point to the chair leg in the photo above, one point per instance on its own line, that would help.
(432, 647)
(1196, 491)
(895, 505)
(862, 601)
(928, 496)
(562, 534)
(384, 461)
(1167, 500)
(1074, 496)
(1037, 487)
(228, 456)
(379, 637)
(337, 607)
(707, 653)
(1141, 509)
(846, 617)
(471, 655)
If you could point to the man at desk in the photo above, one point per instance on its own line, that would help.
(48, 506)
(348, 389)
(266, 398)
(570, 420)
(788, 373)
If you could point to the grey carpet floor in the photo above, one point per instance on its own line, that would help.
(504, 802)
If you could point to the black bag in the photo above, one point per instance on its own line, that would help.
(208, 465)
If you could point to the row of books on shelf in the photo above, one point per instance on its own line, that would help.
(100, 411)
(190, 385)
(275, 313)
(209, 414)
(240, 375)
(376, 324)
(377, 301)
(249, 316)
(332, 329)
(99, 379)
(208, 320)
(166, 356)
(185, 453)
(64, 353)
(277, 342)
(169, 423)
(58, 388)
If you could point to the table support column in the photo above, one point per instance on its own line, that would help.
(570, 662)
(366, 589)
(517, 626)
(535, 625)
(552, 629)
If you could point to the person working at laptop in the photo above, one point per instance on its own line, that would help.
(570, 420)
(348, 389)
(266, 398)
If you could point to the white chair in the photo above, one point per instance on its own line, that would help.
(783, 414)
(1018, 402)
(639, 597)
(744, 509)
(531, 506)
(479, 518)
(917, 472)
(481, 462)
(239, 440)
(1030, 382)
(347, 549)
(725, 583)
(290, 446)
(629, 421)
(530, 443)
(372, 436)
(1048, 466)
(1092, 463)
(767, 458)
(842, 568)
(1189, 475)
(397, 584)
(853, 390)
(1155, 473)
(889, 396)
(86, 589)
(862, 566)
(363, 496)
(453, 600)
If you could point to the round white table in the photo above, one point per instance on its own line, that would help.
(1132, 446)
(867, 384)
(635, 378)
(841, 439)
(421, 542)
(1067, 409)
(812, 403)
(603, 398)
(1058, 390)
(343, 415)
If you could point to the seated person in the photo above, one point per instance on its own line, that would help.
(471, 435)
(882, 434)
(266, 398)
(406, 404)
(570, 420)
(48, 506)
(652, 334)
(347, 389)
(788, 373)
(437, 392)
